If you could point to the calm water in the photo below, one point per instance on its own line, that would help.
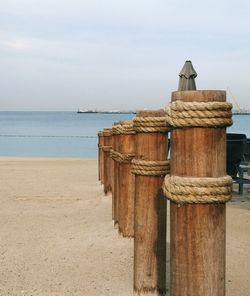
(65, 134)
(53, 134)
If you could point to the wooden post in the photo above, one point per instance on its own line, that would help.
(99, 155)
(197, 251)
(111, 165)
(126, 180)
(150, 215)
(115, 190)
(101, 163)
(113, 169)
(107, 134)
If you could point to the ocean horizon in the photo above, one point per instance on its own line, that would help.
(66, 133)
(53, 133)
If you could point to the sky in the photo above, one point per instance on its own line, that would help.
(116, 54)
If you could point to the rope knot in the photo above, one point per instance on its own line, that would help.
(121, 158)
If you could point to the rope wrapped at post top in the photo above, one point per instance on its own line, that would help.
(115, 129)
(150, 168)
(123, 129)
(121, 157)
(150, 124)
(199, 114)
(107, 132)
(186, 190)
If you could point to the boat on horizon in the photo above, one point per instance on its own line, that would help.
(106, 112)
(86, 111)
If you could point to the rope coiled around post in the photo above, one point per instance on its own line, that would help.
(199, 114)
(107, 132)
(115, 129)
(189, 190)
(123, 129)
(150, 124)
(150, 168)
(120, 157)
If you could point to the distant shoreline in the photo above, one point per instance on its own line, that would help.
(134, 112)
(241, 113)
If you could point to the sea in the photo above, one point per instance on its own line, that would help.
(53, 134)
(66, 134)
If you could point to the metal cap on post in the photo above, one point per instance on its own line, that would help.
(187, 76)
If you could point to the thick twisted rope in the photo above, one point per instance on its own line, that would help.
(199, 114)
(107, 132)
(184, 190)
(150, 168)
(121, 157)
(115, 129)
(123, 129)
(150, 124)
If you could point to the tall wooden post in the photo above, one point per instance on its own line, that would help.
(150, 211)
(115, 190)
(126, 180)
(197, 251)
(107, 134)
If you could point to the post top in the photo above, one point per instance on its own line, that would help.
(199, 95)
(107, 132)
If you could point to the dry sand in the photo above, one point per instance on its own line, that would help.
(57, 237)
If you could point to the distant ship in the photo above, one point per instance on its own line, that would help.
(106, 112)
(86, 111)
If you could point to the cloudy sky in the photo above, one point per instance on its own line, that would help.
(116, 54)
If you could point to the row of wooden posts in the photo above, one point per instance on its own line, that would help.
(139, 207)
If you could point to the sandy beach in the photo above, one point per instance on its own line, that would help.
(57, 237)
